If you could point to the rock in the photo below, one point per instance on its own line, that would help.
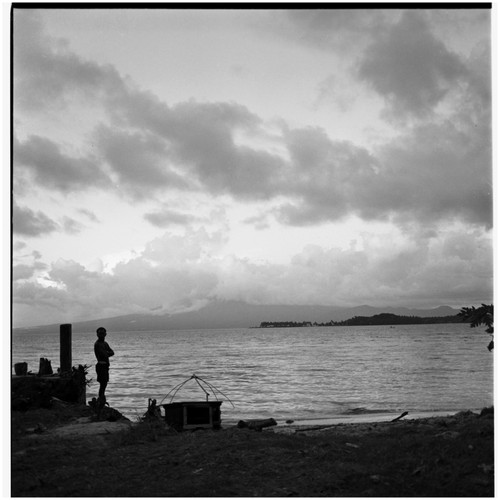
(256, 425)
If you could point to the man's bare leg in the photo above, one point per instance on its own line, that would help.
(102, 397)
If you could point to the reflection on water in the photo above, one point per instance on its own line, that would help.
(291, 372)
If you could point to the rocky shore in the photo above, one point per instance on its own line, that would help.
(68, 451)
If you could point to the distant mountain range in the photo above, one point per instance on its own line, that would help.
(233, 314)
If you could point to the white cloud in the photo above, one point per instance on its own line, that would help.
(183, 272)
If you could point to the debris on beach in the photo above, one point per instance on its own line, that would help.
(32, 391)
(256, 425)
(400, 416)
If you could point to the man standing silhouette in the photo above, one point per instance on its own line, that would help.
(102, 352)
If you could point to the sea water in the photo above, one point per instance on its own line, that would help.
(287, 373)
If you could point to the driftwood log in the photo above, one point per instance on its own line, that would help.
(400, 416)
(256, 425)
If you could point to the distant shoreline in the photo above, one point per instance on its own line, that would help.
(383, 319)
(232, 314)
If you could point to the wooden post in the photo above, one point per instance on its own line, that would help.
(65, 348)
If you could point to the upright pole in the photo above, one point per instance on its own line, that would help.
(65, 347)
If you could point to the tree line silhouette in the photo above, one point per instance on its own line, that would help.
(377, 319)
(483, 315)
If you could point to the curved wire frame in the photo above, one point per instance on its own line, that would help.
(199, 381)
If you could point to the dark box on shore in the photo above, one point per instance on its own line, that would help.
(193, 415)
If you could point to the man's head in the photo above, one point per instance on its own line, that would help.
(101, 332)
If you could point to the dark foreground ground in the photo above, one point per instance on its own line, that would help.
(451, 456)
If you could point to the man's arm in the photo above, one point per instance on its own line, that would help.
(110, 351)
(102, 351)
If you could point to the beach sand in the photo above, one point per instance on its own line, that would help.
(62, 452)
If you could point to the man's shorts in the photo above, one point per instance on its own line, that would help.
(102, 371)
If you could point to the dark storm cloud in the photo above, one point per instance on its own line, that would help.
(394, 51)
(46, 72)
(205, 140)
(53, 169)
(324, 177)
(139, 160)
(149, 144)
(200, 138)
(431, 171)
(411, 68)
(26, 222)
(438, 171)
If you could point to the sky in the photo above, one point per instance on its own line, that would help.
(167, 158)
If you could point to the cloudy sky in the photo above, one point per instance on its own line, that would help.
(166, 158)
